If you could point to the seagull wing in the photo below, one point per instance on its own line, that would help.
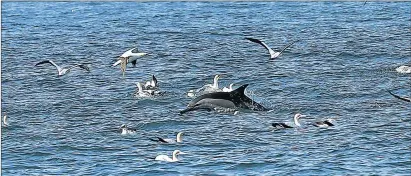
(261, 43)
(317, 124)
(401, 98)
(50, 62)
(162, 140)
(154, 79)
(134, 50)
(82, 66)
(280, 125)
(287, 46)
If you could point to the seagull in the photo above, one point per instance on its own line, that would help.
(229, 88)
(5, 123)
(273, 54)
(284, 125)
(403, 69)
(208, 88)
(125, 130)
(63, 70)
(401, 98)
(144, 93)
(214, 86)
(177, 140)
(191, 93)
(168, 159)
(325, 123)
(152, 85)
(127, 57)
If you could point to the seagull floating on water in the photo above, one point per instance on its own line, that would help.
(285, 125)
(214, 86)
(143, 93)
(127, 57)
(170, 141)
(5, 123)
(191, 93)
(273, 54)
(403, 69)
(168, 159)
(63, 70)
(229, 88)
(125, 130)
(325, 123)
(401, 98)
(208, 88)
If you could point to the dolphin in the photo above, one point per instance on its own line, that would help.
(235, 99)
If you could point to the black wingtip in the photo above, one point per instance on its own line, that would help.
(42, 62)
(151, 139)
(155, 80)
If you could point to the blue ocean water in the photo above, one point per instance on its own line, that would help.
(342, 67)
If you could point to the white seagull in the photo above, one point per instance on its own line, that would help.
(403, 69)
(191, 93)
(5, 123)
(127, 57)
(325, 123)
(143, 93)
(285, 125)
(273, 54)
(229, 88)
(168, 159)
(125, 130)
(214, 86)
(170, 141)
(63, 70)
(208, 88)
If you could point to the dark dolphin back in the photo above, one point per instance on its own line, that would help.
(242, 101)
(237, 96)
(214, 95)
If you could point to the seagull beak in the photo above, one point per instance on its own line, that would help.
(303, 116)
(182, 153)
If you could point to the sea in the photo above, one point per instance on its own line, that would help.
(341, 66)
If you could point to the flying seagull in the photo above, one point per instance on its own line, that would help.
(63, 70)
(273, 54)
(127, 57)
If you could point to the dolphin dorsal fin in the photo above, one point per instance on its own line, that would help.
(239, 90)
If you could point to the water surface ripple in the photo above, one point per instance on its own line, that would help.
(342, 67)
